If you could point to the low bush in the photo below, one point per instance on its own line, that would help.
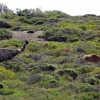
(16, 28)
(34, 78)
(12, 66)
(12, 84)
(49, 83)
(39, 23)
(23, 28)
(79, 87)
(6, 74)
(12, 43)
(25, 20)
(53, 83)
(34, 47)
(48, 67)
(88, 96)
(91, 80)
(8, 16)
(68, 71)
(96, 71)
(39, 57)
(85, 69)
(6, 91)
(5, 34)
(4, 25)
(97, 76)
(62, 34)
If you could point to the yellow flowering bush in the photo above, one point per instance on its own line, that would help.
(6, 74)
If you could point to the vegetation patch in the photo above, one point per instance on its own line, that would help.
(6, 74)
(5, 34)
(6, 91)
(53, 69)
(4, 25)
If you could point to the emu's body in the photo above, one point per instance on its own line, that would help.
(92, 58)
(7, 54)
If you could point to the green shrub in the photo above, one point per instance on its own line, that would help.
(12, 84)
(21, 28)
(25, 20)
(38, 57)
(39, 23)
(13, 66)
(88, 96)
(6, 74)
(34, 47)
(5, 34)
(83, 27)
(91, 80)
(62, 34)
(97, 76)
(74, 39)
(50, 83)
(85, 69)
(53, 15)
(80, 87)
(48, 67)
(28, 21)
(8, 16)
(68, 71)
(16, 28)
(53, 83)
(96, 71)
(34, 78)
(4, 25)
(12, 43)
(6, 91)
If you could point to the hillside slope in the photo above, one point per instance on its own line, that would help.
(52, 66)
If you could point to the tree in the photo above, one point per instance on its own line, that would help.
(4, 9)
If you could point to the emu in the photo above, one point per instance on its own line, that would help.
(92, 58)
(7, 54)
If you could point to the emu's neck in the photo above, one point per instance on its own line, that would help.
(23, 48)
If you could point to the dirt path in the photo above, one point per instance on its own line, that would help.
(26, 36)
